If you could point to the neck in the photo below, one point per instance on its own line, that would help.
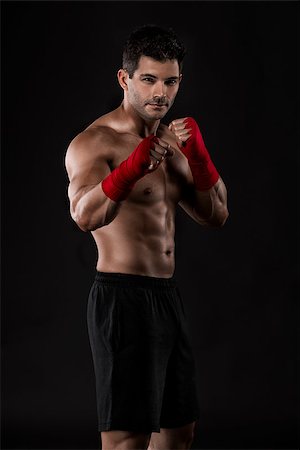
(135, 124)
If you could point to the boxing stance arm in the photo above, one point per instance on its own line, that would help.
(86, 166)
(95, 193)
(206, 196)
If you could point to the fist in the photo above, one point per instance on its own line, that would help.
(182, 130)
(159, 152)
(189, 139)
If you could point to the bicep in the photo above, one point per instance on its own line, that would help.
(86, 168)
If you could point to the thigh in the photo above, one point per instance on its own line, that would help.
(180, 400)
(124, 440)
(173, 438)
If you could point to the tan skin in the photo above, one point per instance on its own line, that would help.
(136, 236)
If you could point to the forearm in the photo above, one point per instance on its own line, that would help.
(210, 207)
(93, 209)
(207, 202)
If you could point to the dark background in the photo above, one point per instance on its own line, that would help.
(59, 63)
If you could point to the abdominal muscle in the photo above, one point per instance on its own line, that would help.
(139, 241)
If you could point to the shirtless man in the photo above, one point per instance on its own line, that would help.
(127, 173)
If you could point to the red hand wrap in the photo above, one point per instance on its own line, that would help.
(203, 170)
(119, 183)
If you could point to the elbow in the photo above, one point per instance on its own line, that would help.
(220, 219)
(85, 221)
(216, 220)
(88, 221)
(224, 220)
(87, 224)
(91, 218)
(81, 222)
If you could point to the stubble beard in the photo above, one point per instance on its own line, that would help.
(141, 108)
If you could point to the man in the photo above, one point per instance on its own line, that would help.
(127, 173)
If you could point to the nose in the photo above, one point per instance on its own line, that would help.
(160, 89)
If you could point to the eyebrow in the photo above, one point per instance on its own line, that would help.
(153, 76)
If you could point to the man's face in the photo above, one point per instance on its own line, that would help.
(153, 87)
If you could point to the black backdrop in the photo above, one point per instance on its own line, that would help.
(59, 63)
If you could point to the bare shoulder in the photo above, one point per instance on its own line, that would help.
(92, 145)
(97, 140)
(91, 140)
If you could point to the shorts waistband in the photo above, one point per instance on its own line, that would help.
(126, 279)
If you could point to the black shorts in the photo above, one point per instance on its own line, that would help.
(143, 361)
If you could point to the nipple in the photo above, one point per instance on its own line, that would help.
(147, 191)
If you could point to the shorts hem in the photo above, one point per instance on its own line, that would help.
(113, 426)
(180, 422)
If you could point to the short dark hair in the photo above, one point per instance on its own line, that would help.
(153, 41)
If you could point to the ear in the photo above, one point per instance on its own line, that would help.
(180, 77)
(122, 78)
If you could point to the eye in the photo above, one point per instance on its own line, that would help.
(171, 82)
(148, 80)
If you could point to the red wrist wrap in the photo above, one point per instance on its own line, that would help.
(203, 170)
(119, 183)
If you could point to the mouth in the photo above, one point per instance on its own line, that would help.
(156, 105)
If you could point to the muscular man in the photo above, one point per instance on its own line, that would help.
(127, 173)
